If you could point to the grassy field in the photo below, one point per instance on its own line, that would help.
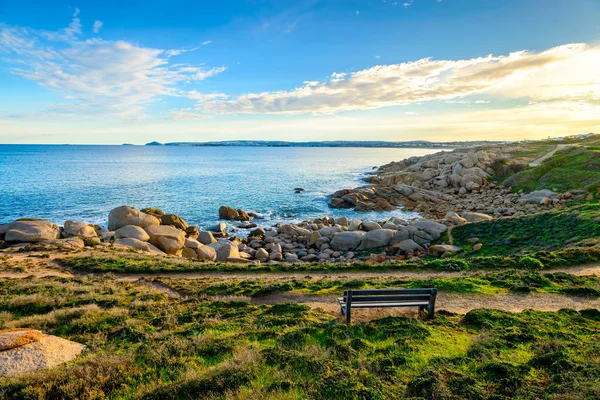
(142, 344)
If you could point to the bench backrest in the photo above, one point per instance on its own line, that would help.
(390, 295)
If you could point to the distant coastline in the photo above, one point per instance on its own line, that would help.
(338, 143)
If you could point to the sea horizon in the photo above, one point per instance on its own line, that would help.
(84, 182)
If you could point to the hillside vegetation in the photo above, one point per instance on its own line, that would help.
(575, 226)
(570, 169)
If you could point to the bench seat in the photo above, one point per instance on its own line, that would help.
(383, 304)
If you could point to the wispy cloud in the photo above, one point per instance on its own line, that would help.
(97, 26)
(554, 74)
(206, 42)
(96, 75)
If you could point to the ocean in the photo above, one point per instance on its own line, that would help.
(83, 183)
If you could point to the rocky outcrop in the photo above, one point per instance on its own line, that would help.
(435, 184)
(127, 215)
(28, 231)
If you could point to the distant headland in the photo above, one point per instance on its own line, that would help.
(338, 143)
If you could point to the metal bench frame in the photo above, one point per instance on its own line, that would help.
(422, 298)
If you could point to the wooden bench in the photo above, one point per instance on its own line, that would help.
(422, 298)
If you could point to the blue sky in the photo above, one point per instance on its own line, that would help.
(136, 71)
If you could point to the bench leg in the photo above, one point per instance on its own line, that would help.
(431, 310)
(341, 309)
(348, 314)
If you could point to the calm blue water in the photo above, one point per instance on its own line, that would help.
(85, 182)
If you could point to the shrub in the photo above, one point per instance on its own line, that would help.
(530, 263)
(449, 264)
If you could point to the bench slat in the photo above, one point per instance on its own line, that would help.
(389, 298)
(390, 304)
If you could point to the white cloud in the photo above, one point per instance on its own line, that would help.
(568, 71)
(99, 76)
(97, 26)
(206, 42)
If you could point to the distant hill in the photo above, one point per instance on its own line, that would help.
(338, 143)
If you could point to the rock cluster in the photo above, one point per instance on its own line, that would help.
(442, 182)
(324, 239)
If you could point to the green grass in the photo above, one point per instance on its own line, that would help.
(144, 345)
(576, 226)
(566, 170)
(513, 281)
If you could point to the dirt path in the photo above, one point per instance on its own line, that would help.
(539, 161)
(454, 302)
(25, 265)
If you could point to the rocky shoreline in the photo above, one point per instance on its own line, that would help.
(154, 232)
(448, 188)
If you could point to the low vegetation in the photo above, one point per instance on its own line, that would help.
(570, 169)
(463, 262)
(575, 226)
(143, 344)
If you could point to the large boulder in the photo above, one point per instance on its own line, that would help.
(31, 231)
(434, 229)
(376, 238)
(355, 224)
(174, 220)
(347, 240)
(401, 234)
(439, 250)
(407, 245)
(127, 215)
(476, 217)
(132, 232)
(167, 238)
(78, 229)
(3, 230)
(342, 221)
(370, 226)
(538, 197)
(206, 253)
(226, 250)
(155, 212)
(189, 253)
(229, 213)
(138, 245)
(27, 350)
(206, 237)
(261, 255)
